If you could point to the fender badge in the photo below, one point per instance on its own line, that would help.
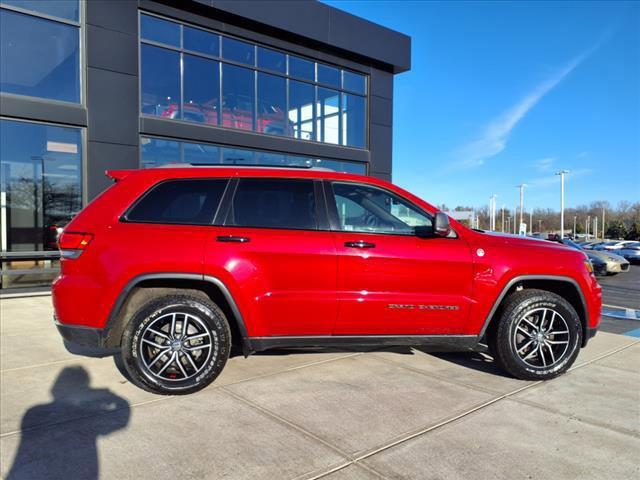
(480, 252)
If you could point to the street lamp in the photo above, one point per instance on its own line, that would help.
(574, 226)
(562, 173)
(521, 187)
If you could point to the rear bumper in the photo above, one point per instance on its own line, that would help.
(86, 341)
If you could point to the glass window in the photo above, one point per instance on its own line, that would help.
(274, 203)
(191, 202)
(237, 51)
(272, 104)
(362, 208)
(160, 82)
(353, 120)
(201, 89)
(301, 68)
(197, 153)
(272, 60)
(329, 75)
(327, 116)
(237, 97)
(67, 9)
(155, 152)
(201, 41)
(354, 82)
(40, 182)
(272, 159)
(39, 58)
(237, 156)
(301, 100)
(159, 30)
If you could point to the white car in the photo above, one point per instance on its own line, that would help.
(612, 245)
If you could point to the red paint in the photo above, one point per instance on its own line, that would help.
(289, 282)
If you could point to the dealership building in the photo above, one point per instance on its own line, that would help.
(87, 86)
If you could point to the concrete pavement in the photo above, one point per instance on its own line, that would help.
(396, 413)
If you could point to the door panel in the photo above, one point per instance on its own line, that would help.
(404, 285)
(390, 282)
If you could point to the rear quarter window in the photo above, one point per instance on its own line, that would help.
(191, 202)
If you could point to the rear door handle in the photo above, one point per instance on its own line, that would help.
(232, 239)
(359, 244)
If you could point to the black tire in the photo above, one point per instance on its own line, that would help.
(162, 321)
(510, 345)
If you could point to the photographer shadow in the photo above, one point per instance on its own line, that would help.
(52, 447)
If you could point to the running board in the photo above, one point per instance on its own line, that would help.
(450, 343)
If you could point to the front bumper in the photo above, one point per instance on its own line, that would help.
(86, 341)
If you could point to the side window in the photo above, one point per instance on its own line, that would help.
(274, 203)
(362, 208)
(192, 202)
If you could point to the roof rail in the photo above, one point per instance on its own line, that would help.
(229, 165)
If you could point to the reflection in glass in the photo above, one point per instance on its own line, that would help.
(272, 60)
(354, 82)
(201, 80)
(353, 120)
(155, 152)
(272, 103)
(159, 30)
(66, 9)
(198, 153)
(237, 51)
(327, 116)
(237, 156)
(39, 58)
(301, 100)
(328, 75)
(301, 68)
(40, 186)
(201, 41)
(237, 97)
(160, 82)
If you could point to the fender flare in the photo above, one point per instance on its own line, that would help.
(524, 278)
(131, 284)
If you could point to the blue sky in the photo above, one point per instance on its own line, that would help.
(505, 93)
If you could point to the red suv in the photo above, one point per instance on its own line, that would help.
(175, 265)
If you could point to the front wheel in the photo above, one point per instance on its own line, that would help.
(537, 337)
(176, 345)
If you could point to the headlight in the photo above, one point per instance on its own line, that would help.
(588, 266)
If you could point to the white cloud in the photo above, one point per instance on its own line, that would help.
(496, 134)
(544, 164)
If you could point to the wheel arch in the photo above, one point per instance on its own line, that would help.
(566, 287)
(143, 288)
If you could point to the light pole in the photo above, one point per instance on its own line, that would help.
(574, 226)
(502, 218)
(521, 187)
(531, 222)
(602, 223)
(562, 173)
(515, 217)
(595, 226)
(588, 222)
(492, 212)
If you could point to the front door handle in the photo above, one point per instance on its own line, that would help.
(359, 244)
(232, 239)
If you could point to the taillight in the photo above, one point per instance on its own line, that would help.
(72, 244)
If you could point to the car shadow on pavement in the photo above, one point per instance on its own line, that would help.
(401, 350)
(473, 360)
(68, 449)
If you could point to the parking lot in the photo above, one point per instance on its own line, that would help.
(393, 413)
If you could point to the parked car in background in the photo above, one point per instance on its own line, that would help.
(612, 245)
(599, 265)
(630, 251)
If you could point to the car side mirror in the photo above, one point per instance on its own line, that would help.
(442, 227)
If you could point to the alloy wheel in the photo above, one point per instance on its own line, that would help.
(541, 338)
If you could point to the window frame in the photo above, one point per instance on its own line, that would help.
(82, 63)
(322, 220)
(334, 217)
(255, 70)
(124, 218)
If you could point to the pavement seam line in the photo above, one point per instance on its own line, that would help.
(288, 423)
(575, 417)
(213, 387)
(458, 417)
(39, 365)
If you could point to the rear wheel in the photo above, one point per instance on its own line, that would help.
(176, 345)
(537, 337)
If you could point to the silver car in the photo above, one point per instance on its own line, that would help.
(614, 263)
(630, 251)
